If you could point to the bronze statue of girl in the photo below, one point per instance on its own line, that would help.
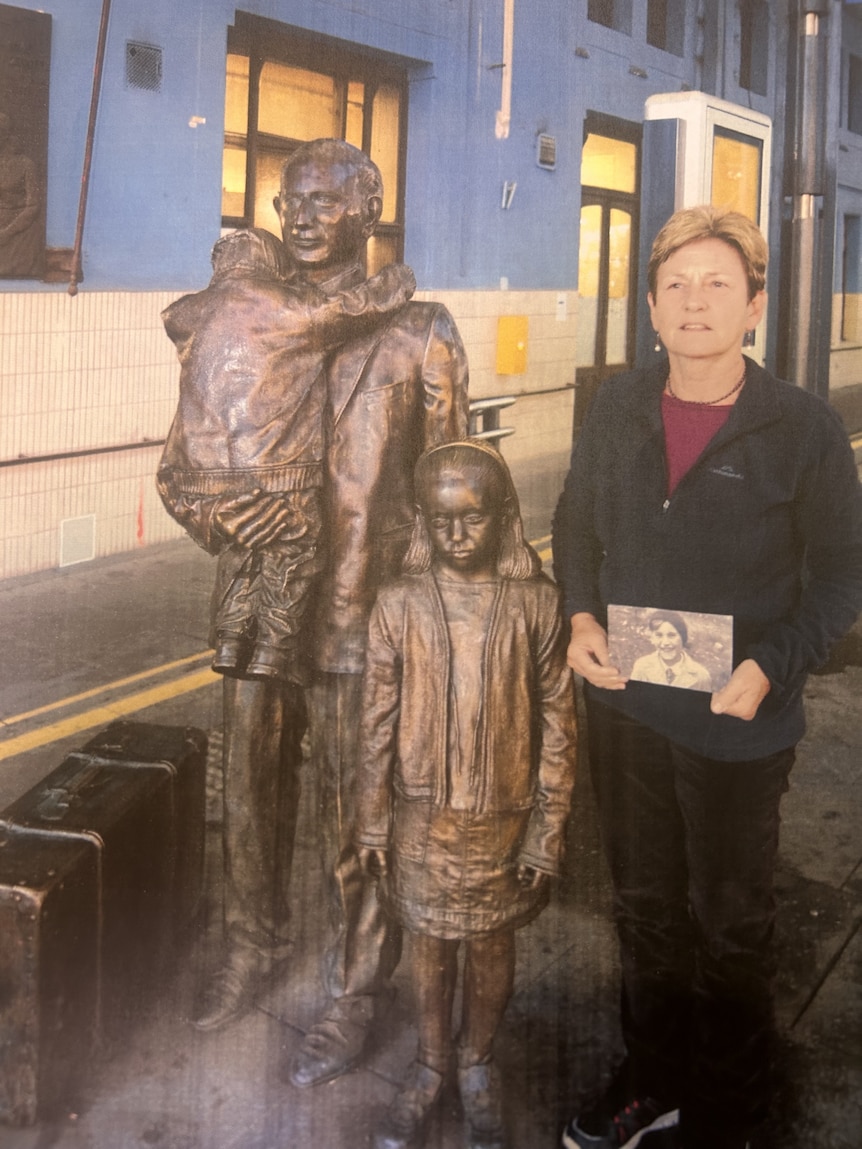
(467, 756)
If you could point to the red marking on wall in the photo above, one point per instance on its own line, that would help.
(140, 523)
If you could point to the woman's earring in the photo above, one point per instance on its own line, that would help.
(748, 338)
(657, 342)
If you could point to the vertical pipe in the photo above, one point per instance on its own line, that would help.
(75, 274)
(504, 115)
(809, 132)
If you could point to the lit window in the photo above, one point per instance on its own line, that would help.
(282, 91)
(851, 276)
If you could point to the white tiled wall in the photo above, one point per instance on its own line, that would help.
(97, 371)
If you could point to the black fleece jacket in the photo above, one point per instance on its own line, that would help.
(766, 527)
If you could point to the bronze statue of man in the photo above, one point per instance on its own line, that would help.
(391, 394)
(242, 471)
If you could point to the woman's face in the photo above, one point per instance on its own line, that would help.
(701, 307)
(463, 518)
(667, 640)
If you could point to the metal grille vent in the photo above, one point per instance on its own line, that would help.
(144, 66)
(546, 152)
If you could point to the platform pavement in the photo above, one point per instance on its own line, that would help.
(71, 632)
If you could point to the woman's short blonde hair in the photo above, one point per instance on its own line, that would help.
(707, 222)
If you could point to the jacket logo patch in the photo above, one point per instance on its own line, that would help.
(726, 472)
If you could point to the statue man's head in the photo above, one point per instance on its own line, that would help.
(330, 201)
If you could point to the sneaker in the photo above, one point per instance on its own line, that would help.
(602, 1127)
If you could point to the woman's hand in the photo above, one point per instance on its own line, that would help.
(588, 653)
(747, 688)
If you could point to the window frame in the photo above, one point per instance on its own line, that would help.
(263, 41)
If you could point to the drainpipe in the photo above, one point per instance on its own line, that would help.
(76, 274)
(805, 365)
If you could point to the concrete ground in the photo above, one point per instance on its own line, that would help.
(107, 639)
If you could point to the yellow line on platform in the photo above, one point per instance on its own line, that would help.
(118, 684)
(101, 715)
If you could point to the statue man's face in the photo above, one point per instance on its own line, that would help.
(325, 220)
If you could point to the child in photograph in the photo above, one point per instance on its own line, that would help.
(467, 758)
(248, 437)
(670, 664)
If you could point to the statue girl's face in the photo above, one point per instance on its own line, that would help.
(464, 516)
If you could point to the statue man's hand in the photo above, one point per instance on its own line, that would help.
(529, 878)
(372, 862)
(253, 519)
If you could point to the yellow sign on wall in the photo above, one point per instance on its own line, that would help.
(512, 344)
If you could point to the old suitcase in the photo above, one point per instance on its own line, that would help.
(49, 969)
(132, 803)
(183, 751)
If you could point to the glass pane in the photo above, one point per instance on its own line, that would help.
(588, 284)
(384, 145)
(619, 263)
(355, 113)
(233, 181)
(267, 184)
(851, 317)
(236, 95)
(609, 163)
(382, 249)
(736, 173)
(296, 103)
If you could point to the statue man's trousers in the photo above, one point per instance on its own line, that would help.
(367, 944)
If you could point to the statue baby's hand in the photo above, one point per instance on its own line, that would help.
(529, 878)
(372, 862)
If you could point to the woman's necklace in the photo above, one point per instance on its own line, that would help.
(706, 402)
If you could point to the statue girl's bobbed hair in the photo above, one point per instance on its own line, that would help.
(516, 559)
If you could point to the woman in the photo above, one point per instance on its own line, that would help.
(702, 484)
(670, 663)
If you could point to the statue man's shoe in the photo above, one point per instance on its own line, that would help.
(332, 1046)
(227, 996)
(482, 1098)
(231, 991)
(407, 1115)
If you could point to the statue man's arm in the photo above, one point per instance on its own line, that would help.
(445, 378)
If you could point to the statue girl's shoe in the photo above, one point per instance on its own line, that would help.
(482, 1098)
(406, 1117)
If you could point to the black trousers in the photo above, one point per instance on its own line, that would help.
(691, 843)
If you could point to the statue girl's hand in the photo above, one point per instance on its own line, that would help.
(372, 862)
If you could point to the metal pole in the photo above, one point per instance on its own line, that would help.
(75, 274)
(808, 189)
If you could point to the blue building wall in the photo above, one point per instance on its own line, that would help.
(154, 202)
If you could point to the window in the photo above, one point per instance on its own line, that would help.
(607, 254)
(666, 25)
(284, 88)
(737, 162)
(854, 94)
(753, 45)
(612, 13)
(851, 280)
(25, 63)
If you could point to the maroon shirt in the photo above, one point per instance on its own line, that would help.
(688, 427)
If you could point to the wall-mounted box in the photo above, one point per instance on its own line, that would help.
(512, 333)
